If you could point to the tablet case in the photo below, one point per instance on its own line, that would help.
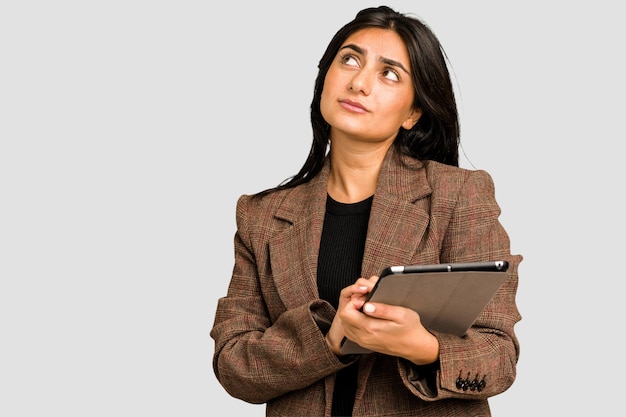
(448, 302)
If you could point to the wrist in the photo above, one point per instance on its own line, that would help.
(333, 346)
(427, 352)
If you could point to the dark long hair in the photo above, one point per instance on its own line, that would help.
(436, 135)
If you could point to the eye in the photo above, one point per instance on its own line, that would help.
(391, 74)
(349, 60)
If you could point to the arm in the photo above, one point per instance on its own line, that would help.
(490, 350)
(263, 350)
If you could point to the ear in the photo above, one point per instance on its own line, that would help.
(413, 117)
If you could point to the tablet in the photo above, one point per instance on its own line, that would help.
(448, 297)
(490, 266)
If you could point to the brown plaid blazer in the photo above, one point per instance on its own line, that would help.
(269, 328)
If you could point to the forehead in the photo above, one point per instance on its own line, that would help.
(379, 42)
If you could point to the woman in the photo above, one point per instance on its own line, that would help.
(381, 186)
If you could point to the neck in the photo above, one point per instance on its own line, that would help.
(353, 176)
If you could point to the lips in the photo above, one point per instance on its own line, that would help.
(353, 106)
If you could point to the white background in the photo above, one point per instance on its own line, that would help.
(129, 128)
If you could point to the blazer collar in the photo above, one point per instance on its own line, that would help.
(398, 220)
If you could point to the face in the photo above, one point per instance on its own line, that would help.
(368, 90)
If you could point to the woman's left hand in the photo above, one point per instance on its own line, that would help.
(392, 330)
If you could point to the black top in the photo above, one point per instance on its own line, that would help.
(339, 265)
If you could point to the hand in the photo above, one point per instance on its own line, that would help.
(396, 331)
(388, 329)
(351, 300)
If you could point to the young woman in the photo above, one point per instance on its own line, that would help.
(381, 186)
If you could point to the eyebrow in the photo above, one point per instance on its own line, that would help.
(387, 61)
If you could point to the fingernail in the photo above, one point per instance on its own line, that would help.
(369, 308)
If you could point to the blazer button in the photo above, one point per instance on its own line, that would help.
(461, 383)
(474, 384)
(482, 384)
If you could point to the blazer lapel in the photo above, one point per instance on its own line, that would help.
(398, 220)
(293, 251)
(399, 216)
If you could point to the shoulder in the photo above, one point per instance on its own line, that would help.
(286, 200)
(450, 179)
(256, 216)
(283, 205)
(255, 206)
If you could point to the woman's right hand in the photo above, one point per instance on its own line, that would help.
(351, 300)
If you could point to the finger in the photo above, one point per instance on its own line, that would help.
(366, 282)
(365, 286)
(373, 279)
(370, 309)
(360, 286)
(389, 312)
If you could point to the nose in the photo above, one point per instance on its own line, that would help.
(361, 82)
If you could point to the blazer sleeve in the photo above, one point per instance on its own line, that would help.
(482, 363)
(261, 355)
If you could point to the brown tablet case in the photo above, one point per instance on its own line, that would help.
(448, 302)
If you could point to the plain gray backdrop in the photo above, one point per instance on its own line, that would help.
(129, 128)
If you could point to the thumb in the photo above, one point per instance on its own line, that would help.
(381, 311)
(369, 308)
